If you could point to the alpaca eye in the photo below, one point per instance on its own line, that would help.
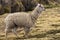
(40, 6)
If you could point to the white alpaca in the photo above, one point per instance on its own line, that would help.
(22, 19)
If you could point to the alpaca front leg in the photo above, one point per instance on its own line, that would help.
(14, 31)
(27, 29)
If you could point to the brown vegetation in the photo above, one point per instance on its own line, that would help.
(23, 5)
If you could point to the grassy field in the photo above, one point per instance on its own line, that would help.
(47, 27)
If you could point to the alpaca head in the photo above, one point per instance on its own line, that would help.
(40, 8)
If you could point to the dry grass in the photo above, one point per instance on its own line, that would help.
(47, 27)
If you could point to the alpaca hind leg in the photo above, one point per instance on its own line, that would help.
(15, 32)
(6, 33)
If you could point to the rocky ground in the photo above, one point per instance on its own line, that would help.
(47, 27)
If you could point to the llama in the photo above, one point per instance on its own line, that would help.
(22, 19)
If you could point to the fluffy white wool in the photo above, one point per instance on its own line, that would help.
(22, 19)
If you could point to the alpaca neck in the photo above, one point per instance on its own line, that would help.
(35, 14)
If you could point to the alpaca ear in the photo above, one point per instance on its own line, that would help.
(39, 5)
